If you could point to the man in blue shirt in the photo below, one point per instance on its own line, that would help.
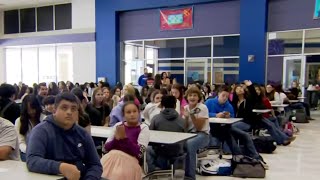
(59, 146)
(142, 81)
(220, 107)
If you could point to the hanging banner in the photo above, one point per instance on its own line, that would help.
(176, 19)
(316, 14)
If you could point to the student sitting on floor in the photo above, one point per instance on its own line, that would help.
(9, 147)
(126, 146)
(59, 146)
(31, 115)
(48, 103)
(196, 117)
(159, 155)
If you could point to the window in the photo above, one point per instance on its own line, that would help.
(11, 22)
(29, 66)
(45, 18)
(27, 20)
(173, 67)
(198, 70)
(47, 64)
(171, 48)
(226, 46)
(64, 63)
(63, 16)
(13, 65)
(199, 47)
(225, 70)
(312, 40)
(280, 43)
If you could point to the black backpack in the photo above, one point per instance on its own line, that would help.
(265, 144)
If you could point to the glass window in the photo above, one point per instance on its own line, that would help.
(11, 22)
(225, 70)
(199, 47)
(133, 70)
(275, 70)
(45, 18)
(13, 65)
(133, 50)
(47, 64)
(312, 41)
(285, 43)
(226, 46)
(171, 48)
(63, 16)
(198, 70)
(175, 69)
(64, 63)
(27, 20)
(29, 66)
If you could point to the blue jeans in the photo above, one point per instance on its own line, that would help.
(275, 132)
(23, 156)
(192, 146)
(239, 131)
(153, 161)
(275, 121)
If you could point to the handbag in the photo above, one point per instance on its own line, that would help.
(247, 167)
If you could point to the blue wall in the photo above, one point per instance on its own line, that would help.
(253, 26)
(252, 30)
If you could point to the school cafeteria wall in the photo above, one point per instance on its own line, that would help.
(83, 14)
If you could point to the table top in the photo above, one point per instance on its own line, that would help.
(18, 170)
(279, 105)
(301, 97)
(162, 137)
(294, 101)
(261, 110)
(224, 120)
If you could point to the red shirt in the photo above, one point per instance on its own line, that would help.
(267, 104)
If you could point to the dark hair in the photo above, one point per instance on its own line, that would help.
(42, 84)
(67, 96)
(128, 98)
(168, 102)
(163, 74)
(278, 88)
(30, 90)
(64, 86)
(224, 88)
(79, 93)
(22, 91)
(7, 90)
(157, 81)
(164, 91)
(54, 90)
(70, 86)
(77, 84)
(24, 116)
(142, 90)
(35, 88)
(91, 85)
(48, 100)
(128, 103)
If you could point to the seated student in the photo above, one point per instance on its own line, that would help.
(42, 93)
(98, 103)
(9, 147)
(48, 103)
(8, 108)
(196, 117)
(94, 114)
(126, 146)
(168, 120)
(59, 146)
(31, 115)
(116, 114)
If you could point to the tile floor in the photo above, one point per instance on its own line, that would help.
(298, 161)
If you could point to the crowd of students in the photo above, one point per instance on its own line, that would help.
(51, 130)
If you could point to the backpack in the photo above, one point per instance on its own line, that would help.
(246, 167)
(301, 116)
(290, 129)
(220, 167)
(265, 144)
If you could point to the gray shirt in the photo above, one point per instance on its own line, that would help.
(9, 137)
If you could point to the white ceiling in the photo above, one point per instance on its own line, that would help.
(14, 4)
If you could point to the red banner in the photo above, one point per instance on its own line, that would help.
(176, 19)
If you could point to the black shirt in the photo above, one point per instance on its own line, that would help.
(94, 115)
(12, 112)
(104, 112)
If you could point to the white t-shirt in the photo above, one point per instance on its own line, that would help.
(9, 137)
(204, 113)
(153, 109)
(279, 98)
